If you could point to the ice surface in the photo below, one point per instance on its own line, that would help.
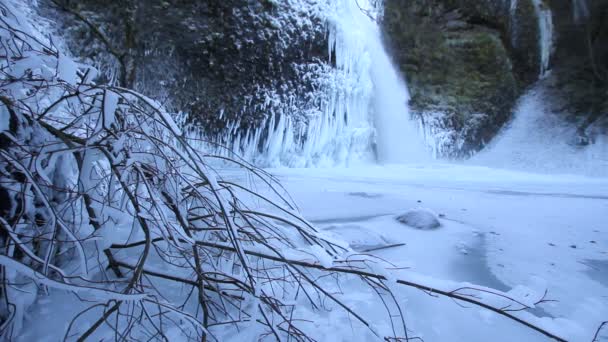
(527, 223)
(358, 237)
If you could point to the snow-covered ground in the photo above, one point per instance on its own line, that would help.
(512, 231)
(539, 140)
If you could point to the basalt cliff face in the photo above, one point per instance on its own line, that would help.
(467, 62)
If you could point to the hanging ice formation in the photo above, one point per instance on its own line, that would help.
(545, 29)
(362, 114)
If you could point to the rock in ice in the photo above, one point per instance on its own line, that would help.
(420, 218)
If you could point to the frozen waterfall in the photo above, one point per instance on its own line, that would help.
(545, 31)
(363, 115)
(397, 137)
(545, 28)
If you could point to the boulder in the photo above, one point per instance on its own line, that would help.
(420, 218)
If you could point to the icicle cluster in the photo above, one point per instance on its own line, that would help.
(357, 112)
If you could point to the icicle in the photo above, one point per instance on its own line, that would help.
(362, 99)
(545, 26)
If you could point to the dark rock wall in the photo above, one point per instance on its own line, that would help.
(580, 65)
(204, 57)
(467, 62)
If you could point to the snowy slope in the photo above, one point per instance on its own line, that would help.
(539, 140)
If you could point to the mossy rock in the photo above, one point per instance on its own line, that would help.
(463, 70)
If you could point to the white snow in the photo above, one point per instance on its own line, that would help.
(67, 69)
(5, 118)
(358, 237)
(421, 218)
(538, 140)
(110, 104)
(97, 293)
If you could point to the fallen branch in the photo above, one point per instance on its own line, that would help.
(598, 331)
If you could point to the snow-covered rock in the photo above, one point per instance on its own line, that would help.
(420, 218)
